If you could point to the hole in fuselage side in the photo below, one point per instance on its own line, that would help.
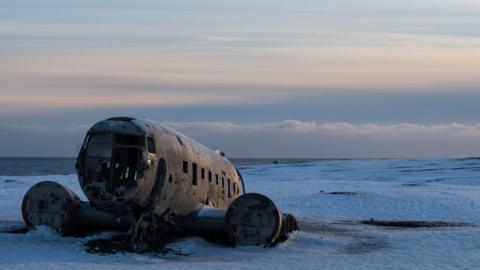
(125, 161)
(151, 145)
(161, 176)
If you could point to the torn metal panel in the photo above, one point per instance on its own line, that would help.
(157, 181)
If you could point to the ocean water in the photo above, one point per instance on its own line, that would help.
(31, 166)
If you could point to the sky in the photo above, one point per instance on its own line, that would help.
(304, 78)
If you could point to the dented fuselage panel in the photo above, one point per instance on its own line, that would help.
(151, 180)
(126, 164)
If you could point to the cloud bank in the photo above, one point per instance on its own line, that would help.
(290, 138)
(303, 128)
(294, 138)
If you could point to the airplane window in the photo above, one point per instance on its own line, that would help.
(151, 145)
(128, 140)
(203, 173)
(185, 167)
(229, 194)
(194, 174)
(100, 145)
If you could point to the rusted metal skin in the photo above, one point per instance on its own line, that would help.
(150, 180)
(161, 184)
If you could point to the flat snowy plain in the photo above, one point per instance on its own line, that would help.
(329, 197)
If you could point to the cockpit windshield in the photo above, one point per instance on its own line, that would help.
(114, 159)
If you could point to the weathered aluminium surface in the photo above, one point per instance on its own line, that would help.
(151, 181)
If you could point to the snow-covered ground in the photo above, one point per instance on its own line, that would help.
(332, 237)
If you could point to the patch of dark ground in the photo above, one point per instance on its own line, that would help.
(118, 243)
(11, 181)
(345, 225)
(413, 184)
(449, 178)
(361, 241)
(312, 226)
(365, 244)
(348, 193)
(414, 223)
(420, 170)
(358, 242)
(472, 164)
(433, 180)
(401, 167)
(285, 180)
(338, 170)
(467, 168)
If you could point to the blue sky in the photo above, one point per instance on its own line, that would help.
(403, 76)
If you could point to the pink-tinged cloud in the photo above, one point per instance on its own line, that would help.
(155, 77)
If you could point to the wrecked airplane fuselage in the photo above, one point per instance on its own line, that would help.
(151, 180)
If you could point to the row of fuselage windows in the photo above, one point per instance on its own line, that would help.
(211, 177)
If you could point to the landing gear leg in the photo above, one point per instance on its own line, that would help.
(147, 232)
